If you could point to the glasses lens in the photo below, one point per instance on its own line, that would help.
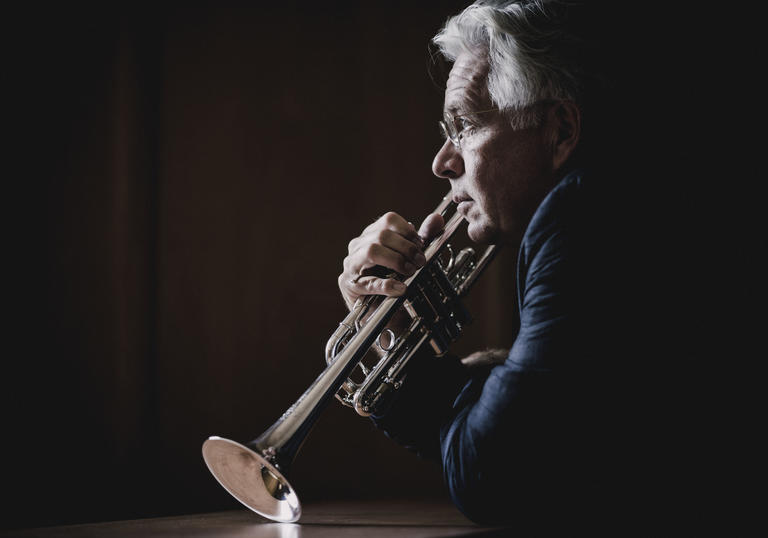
(445, 127)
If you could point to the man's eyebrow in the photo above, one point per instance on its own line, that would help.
(452, 110)
(464, 107)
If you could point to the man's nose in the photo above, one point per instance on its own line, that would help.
(448, 163)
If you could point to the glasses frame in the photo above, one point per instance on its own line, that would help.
(451, 132)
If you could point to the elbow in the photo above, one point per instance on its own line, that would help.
(475, 505)
(472, 492)
(500, 494)
(465, 476)
(494, 502)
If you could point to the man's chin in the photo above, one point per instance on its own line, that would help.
(482, 234)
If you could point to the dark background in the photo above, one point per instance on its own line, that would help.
(183, 182)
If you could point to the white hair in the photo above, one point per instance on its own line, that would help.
(532, 56)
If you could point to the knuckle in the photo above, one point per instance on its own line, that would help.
(408, 268)
(394, 287)
(370, 251)
(390, 218)
(343, 281)
(372, 286)
(383, 236)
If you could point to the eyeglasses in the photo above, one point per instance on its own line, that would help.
(453, 127)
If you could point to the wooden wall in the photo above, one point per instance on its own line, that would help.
(195, 175)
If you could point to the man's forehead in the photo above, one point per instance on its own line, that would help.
(466, 85)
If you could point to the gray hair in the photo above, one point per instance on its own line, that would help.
(531, 52)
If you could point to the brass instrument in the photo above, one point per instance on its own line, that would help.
(255, 473)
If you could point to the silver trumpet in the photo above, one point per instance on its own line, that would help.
(255, 473)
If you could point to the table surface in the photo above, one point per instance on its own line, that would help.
(338, 519)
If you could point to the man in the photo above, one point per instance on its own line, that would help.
(545, 433)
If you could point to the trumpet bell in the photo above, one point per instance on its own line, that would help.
(251, 479)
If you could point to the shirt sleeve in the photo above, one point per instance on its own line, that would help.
(504, 445)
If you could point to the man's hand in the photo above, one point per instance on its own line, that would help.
(390, 242)
(487, 357)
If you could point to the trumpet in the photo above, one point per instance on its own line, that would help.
(255, 472)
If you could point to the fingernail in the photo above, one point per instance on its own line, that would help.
(409, 267)
(420, 259)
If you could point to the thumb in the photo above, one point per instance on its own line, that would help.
(431, 226)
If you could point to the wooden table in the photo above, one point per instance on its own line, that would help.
(338, 519)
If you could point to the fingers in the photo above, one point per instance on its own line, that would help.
(360, 285)
(372, 285)
(395, 223)
(487, 357)
(390, 244)
(390, 231)
(388, 250)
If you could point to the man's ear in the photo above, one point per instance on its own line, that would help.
(565, 120)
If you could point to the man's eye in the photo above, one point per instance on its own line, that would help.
(464, 124)
(465, 127)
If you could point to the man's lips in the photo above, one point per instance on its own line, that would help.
(463, 207)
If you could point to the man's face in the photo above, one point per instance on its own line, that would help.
(499, 175)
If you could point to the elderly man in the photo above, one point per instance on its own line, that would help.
(547, 432)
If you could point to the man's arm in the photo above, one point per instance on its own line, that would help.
(517, 443)
(503, 434)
